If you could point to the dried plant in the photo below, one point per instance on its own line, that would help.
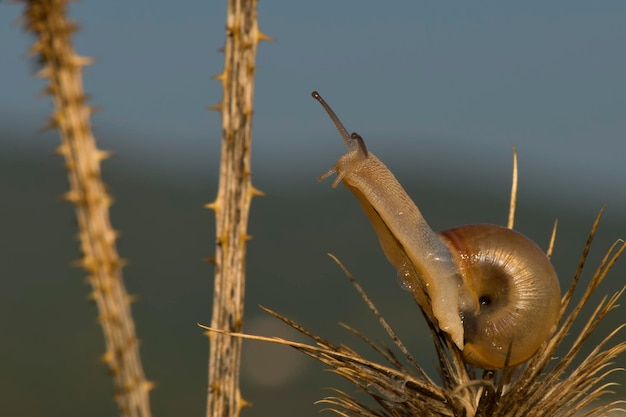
(47, 20)
(232, 206)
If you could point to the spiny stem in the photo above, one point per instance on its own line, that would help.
(62, 67)
(232, 206)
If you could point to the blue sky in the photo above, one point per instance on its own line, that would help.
(442, 89)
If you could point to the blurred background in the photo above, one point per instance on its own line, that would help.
(440, 92)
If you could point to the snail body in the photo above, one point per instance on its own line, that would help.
(489, 288)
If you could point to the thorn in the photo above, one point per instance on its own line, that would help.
(132, 342)
(110, 236)
(220, 77)
(114, 370)
(209, 260)
(107, 357)
(119, 263)
(63, 149)
(54, 121)
(48, 90)
(70, 27)
(80, 61)
(241, 402)
(35, 49)
(81, 99)
(103, 155)
(45, 72)
(255, 192)
(72, 196)
(262, 37)
(247, 237)
(107, 200)
(84, 262)
(212, 206)
(216, 107)
(131, 298)
(148, 386)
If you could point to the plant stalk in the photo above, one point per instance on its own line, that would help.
(63, 69)
(232, 206)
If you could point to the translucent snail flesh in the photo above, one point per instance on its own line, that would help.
(491, 289)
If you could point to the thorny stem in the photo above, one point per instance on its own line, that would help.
(62, 66)
(232, 207)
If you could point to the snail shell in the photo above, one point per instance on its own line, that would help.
(516, 288)
(490, 289)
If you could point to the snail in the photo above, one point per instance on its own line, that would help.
(492, 290)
